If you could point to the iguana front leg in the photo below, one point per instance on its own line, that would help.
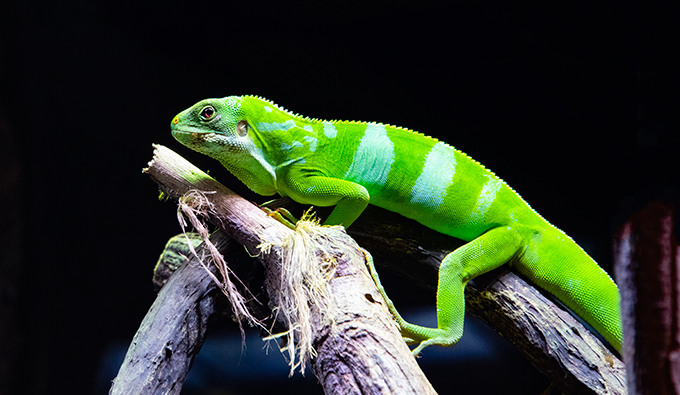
(350, 199)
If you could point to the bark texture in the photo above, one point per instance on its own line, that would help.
(647, 269)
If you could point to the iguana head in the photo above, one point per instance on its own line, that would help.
(220, 128)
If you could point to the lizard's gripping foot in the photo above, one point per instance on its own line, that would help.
(424, 336)
(282, 215)
(415, 334)
(445, 338)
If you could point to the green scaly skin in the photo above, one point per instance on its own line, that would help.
(350, 164)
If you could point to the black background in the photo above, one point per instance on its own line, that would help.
(567, 101)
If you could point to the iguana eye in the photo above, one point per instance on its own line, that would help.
(242, 128)
(207, 113)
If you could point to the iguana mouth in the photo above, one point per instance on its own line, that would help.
(195, 135)
(191, 132)
(194, 139)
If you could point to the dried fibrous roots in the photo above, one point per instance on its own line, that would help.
(308, 263)
(191, 205)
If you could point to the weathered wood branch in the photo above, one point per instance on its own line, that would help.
(353, 352)
(555, 342)
(647, 268)
(172, 332)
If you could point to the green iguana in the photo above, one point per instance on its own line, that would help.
(350, 164)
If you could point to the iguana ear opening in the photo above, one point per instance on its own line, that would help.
(242, 128)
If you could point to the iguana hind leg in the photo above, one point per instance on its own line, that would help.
(487, 252)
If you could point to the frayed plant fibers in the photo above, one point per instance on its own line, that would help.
(308, 265)
(192, 204)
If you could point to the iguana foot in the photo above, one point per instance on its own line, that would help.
(282, 215)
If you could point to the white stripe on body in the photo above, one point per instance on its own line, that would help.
(373, 158)
(486, 198)
(437, 175)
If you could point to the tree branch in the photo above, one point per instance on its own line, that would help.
(554, 341)
(647, 268)
(171, 333)
(355, 348)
